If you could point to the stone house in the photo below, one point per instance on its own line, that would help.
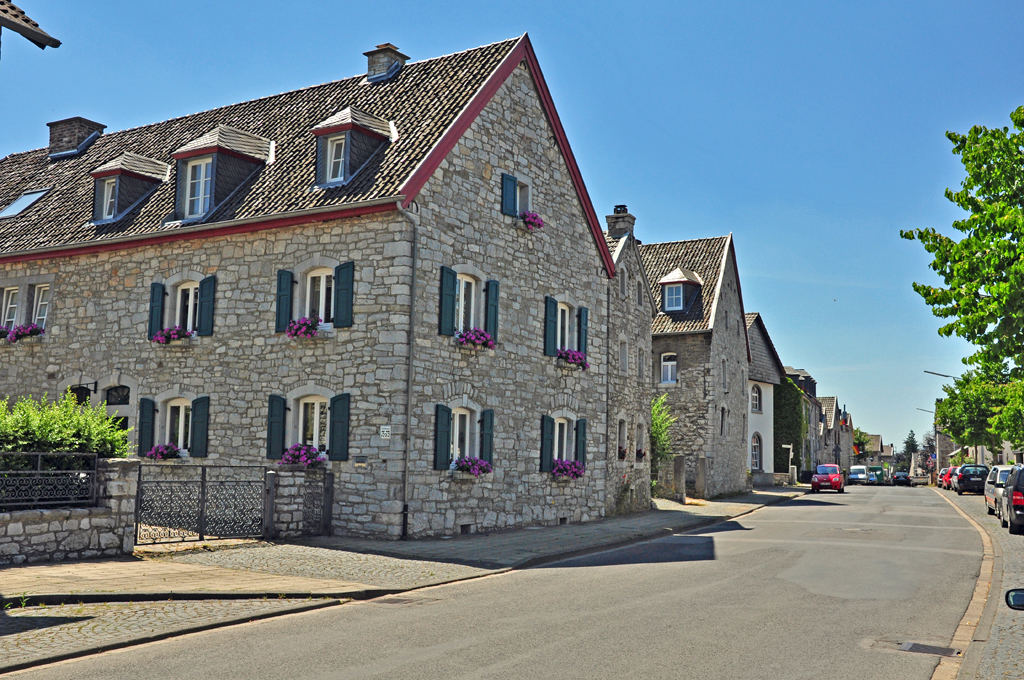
(327, 248)
(766, 371)
(813, 444)
(836, 433)
(701, 357)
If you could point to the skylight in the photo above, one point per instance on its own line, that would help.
(22, 202)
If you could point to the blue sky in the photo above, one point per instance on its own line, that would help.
(811, 131)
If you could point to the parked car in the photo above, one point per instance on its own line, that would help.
(938, 477)
(994, 488)
(947, 479)
(901, 479)
(827, 477)
(970, 477)
(858, 474)
(1013, 501)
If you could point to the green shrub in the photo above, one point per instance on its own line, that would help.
(60, 426)
(661, 440)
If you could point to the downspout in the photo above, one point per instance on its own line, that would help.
(414, 221)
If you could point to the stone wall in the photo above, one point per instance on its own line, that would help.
(288, 483)
(76, 533)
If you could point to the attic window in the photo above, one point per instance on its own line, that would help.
(674, 297)
(109, 197)
(22, 203)
(336, 159)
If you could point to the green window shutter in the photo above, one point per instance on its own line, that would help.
(338, 436)
(491, 315)
(547, 443)
(508, 194)
(275, 426)
(581, 441)
(200, 427)
(550, 326)
(284, 300)
(156, 309)
(446, 314)
(207, 288)
(442, 436)
(487, 435)
(583, 316)
(344, 289)
(147, 418)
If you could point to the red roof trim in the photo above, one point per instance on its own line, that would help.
(126, 173)
(522, 51)
(207, 150)
(228, 230)
(348, 126)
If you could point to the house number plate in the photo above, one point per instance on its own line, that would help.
(385, 432)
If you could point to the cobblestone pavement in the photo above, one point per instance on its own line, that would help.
(35, 634)
(1003, 656)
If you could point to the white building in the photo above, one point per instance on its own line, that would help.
(766, 371)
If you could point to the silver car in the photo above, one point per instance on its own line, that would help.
(994, 488)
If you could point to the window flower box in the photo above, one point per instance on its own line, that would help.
(165, 452)
(305, 327)
(172, 336)
(304, 455)
(470, 468)
(567, 470)
(475, 339)
(570, 358)
(26, 332)
(531, 220)
(640, 454)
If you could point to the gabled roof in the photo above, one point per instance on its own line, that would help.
(875, 442)
(227, 137)
(14, 18)
(828, 406)
(704, 256)
(617, 247)
(353, 116)
(135, 164)
(760, 365)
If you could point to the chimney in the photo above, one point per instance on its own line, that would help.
(72, 135)
(620, 223)
(383, 62)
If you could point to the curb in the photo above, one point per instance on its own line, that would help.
(164, 636)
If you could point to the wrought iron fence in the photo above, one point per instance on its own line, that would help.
(47, 480)
(197, 502)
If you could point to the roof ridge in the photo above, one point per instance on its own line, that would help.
(478, 47)
(686, 240)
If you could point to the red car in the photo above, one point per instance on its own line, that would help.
(947, 479)
(827, 477)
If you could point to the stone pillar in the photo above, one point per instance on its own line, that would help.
(289, 488)
(701, 486)
(679, 474)
(117, 484)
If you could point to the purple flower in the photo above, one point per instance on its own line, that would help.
(532, 220)
(24, 331)
(571, 469)
(163, 451)
(571, 356)
(474, 466)
(302, 454)
(476, 337)
(303, 328)
(168, 334)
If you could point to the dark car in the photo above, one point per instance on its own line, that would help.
(1013, 501)
(901, 479)
(971, 478)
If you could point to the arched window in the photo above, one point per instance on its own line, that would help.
(622, 282)
(641, 363)
(81, 393)
(313, 423)
(565, 335)
(563, 439)
(640, 292)
(463, 428)
(187, 309)
(623, 357)
(755, 399)
(320, 295)
(466, 303)
(755, 452)
(622, 438)
(668, 368)
(640, 437)
(179, 423)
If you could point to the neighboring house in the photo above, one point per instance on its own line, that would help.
(630, 308)
(382, 211)
(701, 357)
(837, 433)
(813, 445)
(766, 371)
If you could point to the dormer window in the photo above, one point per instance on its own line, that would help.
(109, 198)
(212, 166)
(124, 181)
(678, 290)
(336, 159)
(674, 297)
(199, 180)
(346, 142)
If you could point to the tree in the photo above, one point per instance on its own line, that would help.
(862, 440)
(788, 424)
(909, 453)
(970, 405)
(983, 273)
(925, 461)
(661, 442)
(1008, 418)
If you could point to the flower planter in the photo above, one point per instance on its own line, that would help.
(460, 476)
(186, 342)
(474, 339)
(570, 358)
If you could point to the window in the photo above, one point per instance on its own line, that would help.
(639, 436)
(462, 427)
(668, 368)
(674, 297)
(563, 439)
(465, 303)
(41, 305)
(622, 436)
(623, 357)
(22, 203)
(565, 338)
(179, 423)
(523, 197)
(10, 308)
(313, 428)
(199, 180)
(336, 159)
(81, 393)
(109, 197)
(622, 282)
(725, 382)
(727, 319)
(755, 452)
(320, 295)
(755, 399)
(640, 292)
(188, 305)
(118, 395)
(641, 361)
(721, 424)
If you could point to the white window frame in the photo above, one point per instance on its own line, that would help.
(523, 198)
(188, 307)
(564, 327)
(672, 366)
(10, 307)
(756, 444)
(326, 300)
(563, 449)
(40, 307)
(109, 197)
(671, 292)
(180, 423)
(755, 399)
(198, 191)
(319, 408)
(335, 159)
(464, 427)
(467, 292)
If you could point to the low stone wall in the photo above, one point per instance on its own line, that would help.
(75, 533)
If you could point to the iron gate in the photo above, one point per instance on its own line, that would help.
(317, 498)
(198, 502)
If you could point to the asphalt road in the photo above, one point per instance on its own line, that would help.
(827, 585)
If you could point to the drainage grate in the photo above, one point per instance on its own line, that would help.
(929, 649)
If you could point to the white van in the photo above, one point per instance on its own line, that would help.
(858, 474)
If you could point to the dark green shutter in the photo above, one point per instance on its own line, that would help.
(442, 436)
(446, 314)
(147, 418)
(207, 288)
(338, 436)
(275, 426)
(156, 309)
(321, 159)
(344, 289)
(200, 427)
(487, 435)
(508, 194)
(581, 329)
(581, 441)
(284, 301)
(491, 315)
(547, 443)
(550, 326)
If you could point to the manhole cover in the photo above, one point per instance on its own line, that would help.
(929, 649)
